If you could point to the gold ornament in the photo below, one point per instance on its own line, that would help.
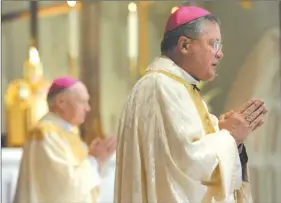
(246, 4)
(25, 100)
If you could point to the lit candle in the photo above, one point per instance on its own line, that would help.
(34, 56)
(73, 30)
(132, 26)
(132, 31)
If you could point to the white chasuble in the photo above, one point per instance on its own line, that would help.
(170, 149)
(55, 166)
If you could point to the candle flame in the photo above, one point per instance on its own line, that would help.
(132, 7)
(71, 3)
(33, 55)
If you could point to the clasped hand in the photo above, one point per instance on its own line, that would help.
(246, 119)
(103, 149)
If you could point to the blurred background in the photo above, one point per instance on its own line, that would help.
(108, 45)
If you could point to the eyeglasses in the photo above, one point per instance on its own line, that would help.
(216, 44)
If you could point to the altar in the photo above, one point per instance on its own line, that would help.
(10, 166)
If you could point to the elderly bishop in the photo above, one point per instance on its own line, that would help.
(56, 167)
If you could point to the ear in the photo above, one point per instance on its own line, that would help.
(60, 100)
(183, 44)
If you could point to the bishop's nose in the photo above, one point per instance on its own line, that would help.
(219, 54)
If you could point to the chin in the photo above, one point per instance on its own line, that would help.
(79, 123)
(210, 76)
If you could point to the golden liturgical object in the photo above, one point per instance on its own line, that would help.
(25, 100)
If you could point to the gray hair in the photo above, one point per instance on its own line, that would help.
(51, 97)
(191, 30)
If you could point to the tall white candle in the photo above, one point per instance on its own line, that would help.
(73, 32)
(132, 31)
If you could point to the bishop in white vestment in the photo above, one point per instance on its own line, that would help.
(56, 166)
(170, 149)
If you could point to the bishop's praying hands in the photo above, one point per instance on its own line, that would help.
(251, 114)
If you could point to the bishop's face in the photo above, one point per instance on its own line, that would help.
(74, 105)
(204, 53)
(79, 105)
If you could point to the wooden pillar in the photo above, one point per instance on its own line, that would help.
(34, 23)
(89, 38)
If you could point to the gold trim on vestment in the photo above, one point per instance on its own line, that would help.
(197, 100)
(73, 138)
(214, 186)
